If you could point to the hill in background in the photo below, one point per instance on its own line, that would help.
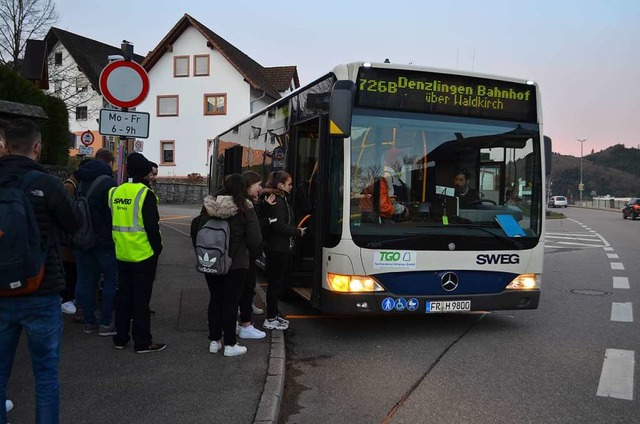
(612, 171)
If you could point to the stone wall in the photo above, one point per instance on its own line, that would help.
(171, 192)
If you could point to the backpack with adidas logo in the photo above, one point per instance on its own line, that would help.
(85, 237)
(23, 252)
(212, 247)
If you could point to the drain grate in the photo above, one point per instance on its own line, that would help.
(588, 292)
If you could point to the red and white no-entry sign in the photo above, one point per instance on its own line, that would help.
(124, 83)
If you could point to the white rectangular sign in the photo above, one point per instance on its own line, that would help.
(124, 124)
(84, 150)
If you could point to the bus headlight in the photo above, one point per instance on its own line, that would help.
(353, 283)
(525, 282)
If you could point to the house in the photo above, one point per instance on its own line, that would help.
(200, 85)
(74, 67)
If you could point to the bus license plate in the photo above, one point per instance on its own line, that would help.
(448, 306)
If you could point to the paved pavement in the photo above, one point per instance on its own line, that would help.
(183, 384)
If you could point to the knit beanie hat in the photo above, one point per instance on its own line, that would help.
(138, 165)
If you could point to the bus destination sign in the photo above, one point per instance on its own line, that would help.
(446, 94)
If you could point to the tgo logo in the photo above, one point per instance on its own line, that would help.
(389, 256)
(502, 259)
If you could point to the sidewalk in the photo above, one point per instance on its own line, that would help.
(183, 384)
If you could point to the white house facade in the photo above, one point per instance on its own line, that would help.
(200, 85)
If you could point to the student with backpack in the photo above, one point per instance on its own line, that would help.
(93, 243)
(30, 293)
(224, 236)
(280, 239)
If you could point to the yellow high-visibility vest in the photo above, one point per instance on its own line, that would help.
(127, 225)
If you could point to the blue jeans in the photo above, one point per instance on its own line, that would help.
(91, 264)
(41, 318)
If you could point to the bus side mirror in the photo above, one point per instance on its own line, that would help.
(343, 95)
(547, 155)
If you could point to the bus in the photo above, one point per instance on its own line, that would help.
(382, 158)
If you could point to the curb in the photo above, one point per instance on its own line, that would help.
(269, 405)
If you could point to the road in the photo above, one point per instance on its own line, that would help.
(571, 360)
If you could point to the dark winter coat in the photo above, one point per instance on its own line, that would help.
(99, 200)
(54, 212)
(245, 238)
(281, 232)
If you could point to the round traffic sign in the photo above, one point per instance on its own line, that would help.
(124, 83)
(87, 138)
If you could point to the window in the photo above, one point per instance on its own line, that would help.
(181, 66)
(215, 104)
(81, 113)
(81, 83)
(201, 65)
(57, 58)
(167, 151)
(167, 106)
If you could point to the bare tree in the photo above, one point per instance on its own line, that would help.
(21, 20)
(69, 83)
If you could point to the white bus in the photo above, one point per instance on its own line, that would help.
(374, 150)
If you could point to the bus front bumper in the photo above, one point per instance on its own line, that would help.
(389, 303)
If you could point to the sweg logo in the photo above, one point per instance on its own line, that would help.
(503, 259)
(119, 200)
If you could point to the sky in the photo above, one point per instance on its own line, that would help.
(585, 55)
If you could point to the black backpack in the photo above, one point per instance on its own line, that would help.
(23, 252)
(85, 237)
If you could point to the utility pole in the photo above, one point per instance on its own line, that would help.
(581, 186)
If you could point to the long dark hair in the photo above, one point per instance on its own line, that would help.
(276, 178)
(234, 186)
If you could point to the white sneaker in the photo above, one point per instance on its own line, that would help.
(250, 332)
(234, 350)
(215, 346)
(256, 310)
(69, 307)
(282, 320)
(8, 405)
(274, 324)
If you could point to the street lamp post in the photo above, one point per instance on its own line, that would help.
(581, 187)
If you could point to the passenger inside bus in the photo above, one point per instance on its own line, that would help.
(381, 201)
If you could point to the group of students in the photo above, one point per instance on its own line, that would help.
(251, 213)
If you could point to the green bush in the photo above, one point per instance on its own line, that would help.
(55, 130)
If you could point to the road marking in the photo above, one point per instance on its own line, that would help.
(613, 256)
(172, 217)
(608, 249)
(622, 312)
(554, 237)
(164, 224)
(617, 265)
(616, 379)
(620, 283)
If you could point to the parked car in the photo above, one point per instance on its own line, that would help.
(631, 209)
(558, 202)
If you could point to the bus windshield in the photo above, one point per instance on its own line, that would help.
(443, 182)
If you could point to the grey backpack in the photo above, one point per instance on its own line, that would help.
(212, 247)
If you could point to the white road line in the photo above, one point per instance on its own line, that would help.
(616, 379)
(572, 234)
(576, 244)
(604, 241)
(617, 265)
(613, 256)
(571, 238)
(608, 249)
(622, 312)
(620, 283)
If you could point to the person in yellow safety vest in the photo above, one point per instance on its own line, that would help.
(136, 234)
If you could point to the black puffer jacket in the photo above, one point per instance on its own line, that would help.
(54, 212)
(245, 237)
(99, 200)
(281, 232)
